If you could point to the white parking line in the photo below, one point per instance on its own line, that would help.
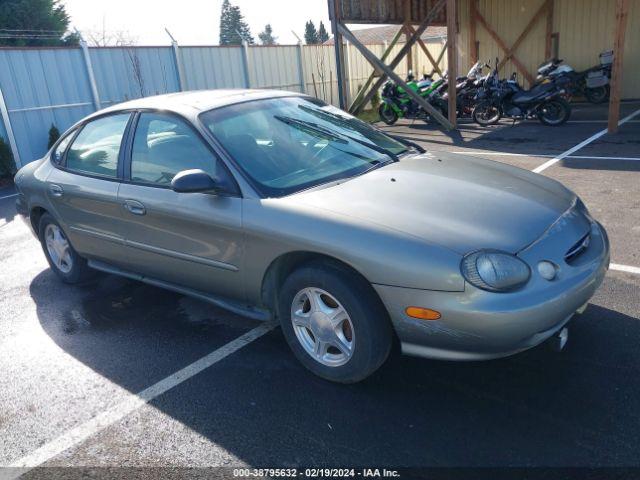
(543, 155)
(9, 196)
(101, 421)
(595, 121)
(625, 268)
(582, 144)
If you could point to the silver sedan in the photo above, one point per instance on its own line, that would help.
(280, 207)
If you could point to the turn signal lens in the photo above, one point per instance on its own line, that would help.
(422, 313)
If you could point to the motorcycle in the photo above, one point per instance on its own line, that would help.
(396, 103)
(592, 84)
(466, 90)
(505, 98)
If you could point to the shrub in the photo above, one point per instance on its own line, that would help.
(54, 135)
(375, 100)
(7, 167)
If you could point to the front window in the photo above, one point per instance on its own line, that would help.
(289, 144)
(165, 145)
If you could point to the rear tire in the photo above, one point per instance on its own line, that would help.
(598, 94)
(554, 112)
(485, 114)
(326, 304)
(387, 114)
(63, 259)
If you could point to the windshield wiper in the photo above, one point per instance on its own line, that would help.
(408, 143)
(321, 132)
(347, 123)
(311, 128)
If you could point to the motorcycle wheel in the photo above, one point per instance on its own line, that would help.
(387, 114)
(485, 113)
(554, 112)
(598, 94)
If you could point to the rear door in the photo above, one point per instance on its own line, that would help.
(83, 189)
(189, 239)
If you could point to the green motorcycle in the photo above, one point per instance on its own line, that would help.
(396, 103)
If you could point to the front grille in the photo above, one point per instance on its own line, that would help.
(577, 249)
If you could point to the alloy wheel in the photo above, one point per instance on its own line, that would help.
(58, 248)
(323, 327)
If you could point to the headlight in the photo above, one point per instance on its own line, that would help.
(494, 270)
(582, 208)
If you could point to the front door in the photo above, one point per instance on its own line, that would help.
(83, 189)
(189, 239)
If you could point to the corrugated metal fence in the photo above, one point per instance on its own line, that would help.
(59, 86)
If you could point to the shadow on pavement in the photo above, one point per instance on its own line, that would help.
(577, 408)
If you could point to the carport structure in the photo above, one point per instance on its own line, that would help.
(522, 32)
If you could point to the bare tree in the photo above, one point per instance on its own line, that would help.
(136, 68)
(107, 38)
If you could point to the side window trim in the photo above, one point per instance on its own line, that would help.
(72, 136)
(123, 143)
(133, 126)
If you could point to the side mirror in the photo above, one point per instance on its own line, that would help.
(192, 181)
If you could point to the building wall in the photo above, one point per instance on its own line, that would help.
(585, 27)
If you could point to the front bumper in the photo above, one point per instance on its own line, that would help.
(480, 325)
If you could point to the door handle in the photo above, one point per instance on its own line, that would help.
(56, 190)
(135, 207)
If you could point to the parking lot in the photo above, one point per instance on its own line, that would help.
(89, 373)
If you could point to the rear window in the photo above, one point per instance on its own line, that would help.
(96, 148)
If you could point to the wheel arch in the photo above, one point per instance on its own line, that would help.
(35, 214)
(281, 267)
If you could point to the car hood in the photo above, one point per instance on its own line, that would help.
(458, 202)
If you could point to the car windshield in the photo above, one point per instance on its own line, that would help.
(290, 144)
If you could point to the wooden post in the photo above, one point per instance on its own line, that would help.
(549, 34)
(388, 47)
(452, 59)
(339, 52)
(388, 71)
(622, 12)
(435, 9)
(501, 43)
(407, 35)
(426, 51)
(511, 52)
(473, 47)
(441, 55)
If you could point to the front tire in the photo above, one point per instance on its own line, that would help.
(387, 114)
(63, 259)
(334, 322)
(554, 112)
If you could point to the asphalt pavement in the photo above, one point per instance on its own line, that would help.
(68, 354)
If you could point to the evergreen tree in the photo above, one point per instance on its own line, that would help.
(35, 23)
(310, 33)
(266, 37)
(233, 28)
(323, 36)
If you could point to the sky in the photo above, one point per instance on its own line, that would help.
(192, 22)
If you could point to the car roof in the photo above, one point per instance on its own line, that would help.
(192, 103)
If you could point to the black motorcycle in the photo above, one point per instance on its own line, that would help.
(505, 98)
(466, 90)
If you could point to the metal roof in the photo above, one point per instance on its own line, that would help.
(385, 33)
